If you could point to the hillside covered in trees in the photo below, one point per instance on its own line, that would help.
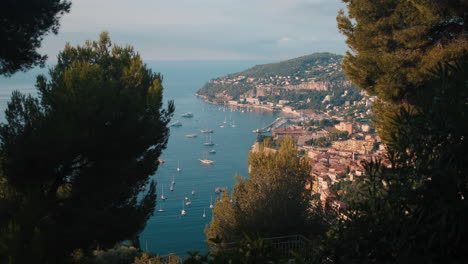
(304, 81)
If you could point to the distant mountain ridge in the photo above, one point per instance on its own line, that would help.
(315, 72)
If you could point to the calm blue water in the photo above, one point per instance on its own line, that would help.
(169, 231)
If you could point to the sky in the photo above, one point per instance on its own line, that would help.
(205, 29)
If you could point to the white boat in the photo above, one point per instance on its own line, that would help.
(162, 193)
(186, 198)
(206, 130)
(193, 190)
(211, 202)
(221, 126)
(191, 136)
(204, 213)
(175, 124)
(188, 203)
(161, 210)
(178, 167)
(187, 115)
(183, 209)
(212, 151)
(209, 142)
(224, 122)
(206, 161)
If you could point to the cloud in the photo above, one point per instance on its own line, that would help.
(211, 29)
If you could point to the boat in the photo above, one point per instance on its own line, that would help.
(224, 122)
(171, 188)
(186, 198)
(142, 188)
(175, 124)
(206, 161)
(187, 115)
(204, 213)
(256, 131)
(211, 202)
(193, 192)
(161, 210)
(206, 130)
(191, 136)
(161, 161)
(220, 189)
(188, 203)
(178, 167)
(183, 209)
(212, 151)
(162, 193)
(221, 126)
(209, 143)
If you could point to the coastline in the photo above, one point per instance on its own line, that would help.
(248, 106)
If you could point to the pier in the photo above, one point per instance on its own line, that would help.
(278, 123)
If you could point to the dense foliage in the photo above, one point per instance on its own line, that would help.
(414, 209)
(395, 42)
(23, 25)
(275, 190)
(320, 67)
(75, 158)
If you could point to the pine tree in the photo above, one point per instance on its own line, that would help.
(78, 154)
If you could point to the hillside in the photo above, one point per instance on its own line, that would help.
(304, 81)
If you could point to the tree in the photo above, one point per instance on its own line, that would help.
(272, 202)
(394, 43)
(413, 209)
(79, 153)
(23, 25)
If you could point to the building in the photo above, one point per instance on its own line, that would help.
(343, 126)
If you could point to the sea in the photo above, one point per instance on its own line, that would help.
(170, 232)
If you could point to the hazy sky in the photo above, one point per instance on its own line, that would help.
(205, 29)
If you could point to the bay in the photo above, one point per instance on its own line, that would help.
(169, 232)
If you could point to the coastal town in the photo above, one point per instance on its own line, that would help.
(336, 142)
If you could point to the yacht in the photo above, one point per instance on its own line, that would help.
(178, 167)
(191, 136)
(183, 209)
(187, 115)
(206, 130)
(162, 193)
(212, 151)
(206, 161)
(209, 143)
(204, 213)
(175, 124)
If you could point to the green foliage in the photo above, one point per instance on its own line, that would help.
(394, 43)
(23, 26)
(414, 211)
(315, 66)
(77, 155)
(275, 190)
(321, 142)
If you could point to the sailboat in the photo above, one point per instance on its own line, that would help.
(183, 209)
(224, 122)
(178, 167)
(173, 180)
(233, 124)
(193, 190)
(161, 210)
(186, 198)
(211, 202)
(206, 130)
(209, 143)
(188, 202)
(162, 193)
(204, 213)
(171, 188)
(213, 151)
